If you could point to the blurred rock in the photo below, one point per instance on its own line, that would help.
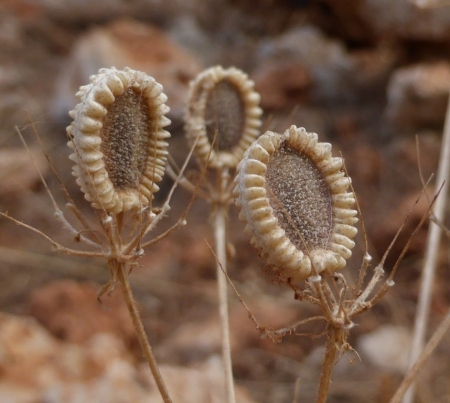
(10, 32)
(186, 31)
(11, 75)
(282, 85)
(203, 384)
(365, 21)
(387, 347)
(271, 16)
(336, 74)
(197, 340)
(418, 95)
(343, 19)
(402, 163)
(17, 170)
(193, 341)
(406, 19)
(383, 232)
(72, 312)
(362, 160)
(87, 11)
(363, 163)
(407, 154)
(36, 367)
(126, 43)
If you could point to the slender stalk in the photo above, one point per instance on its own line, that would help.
(327, 365)
(431, 253)
(431, 345)
(143, 340)
(220, 243)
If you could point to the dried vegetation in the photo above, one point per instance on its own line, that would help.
(366, 78)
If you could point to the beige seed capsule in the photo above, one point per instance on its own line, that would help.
(118, 139)
(223, 102)
(293, 195)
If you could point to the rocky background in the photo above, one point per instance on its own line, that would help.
(370, 76)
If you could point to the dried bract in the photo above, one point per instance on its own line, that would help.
(293, 196)
(222, 102)
(118, 139)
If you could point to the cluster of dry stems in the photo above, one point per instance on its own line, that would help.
(295, 198)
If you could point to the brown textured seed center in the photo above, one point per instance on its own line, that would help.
(125, 136)
(300, 199)
(225, 113)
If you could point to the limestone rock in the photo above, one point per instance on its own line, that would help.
(418, 95)
(337, 75)
(127, 43)
(367, 21)
(71, 312)
(387, 347)
(36, 367)
(17, 170)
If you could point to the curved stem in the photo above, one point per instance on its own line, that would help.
(143, 340)
(327, 365)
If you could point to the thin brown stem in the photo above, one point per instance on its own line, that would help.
(328, 364)
(180, 223)
(241, 300)
(71, 204)
(58, 212)
(57, 247)
(183, 181)
(142, 336)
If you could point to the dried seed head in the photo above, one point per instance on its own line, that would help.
(293, 196)
(118, 139)
(222, 101)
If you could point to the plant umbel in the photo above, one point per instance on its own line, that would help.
(293, 196)
(118, 139)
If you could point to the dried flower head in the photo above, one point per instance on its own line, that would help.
(222, 101)
(293, 196)
(118, 138)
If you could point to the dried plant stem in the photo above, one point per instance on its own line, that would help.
(220, 213)
(143, 340)
(328, 363)
(429, 348)
(429, 269)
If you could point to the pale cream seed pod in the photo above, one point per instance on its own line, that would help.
(294, 197)
(118, 139)
(222, 101)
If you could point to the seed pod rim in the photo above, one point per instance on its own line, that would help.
(85, 139)
(262, 226)
(195, 125)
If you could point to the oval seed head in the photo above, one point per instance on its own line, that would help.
(118, 139)
(224, 106)
(293, 195)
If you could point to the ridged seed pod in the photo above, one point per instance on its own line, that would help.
(222, 101)
(293, 195)
(118, 139)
